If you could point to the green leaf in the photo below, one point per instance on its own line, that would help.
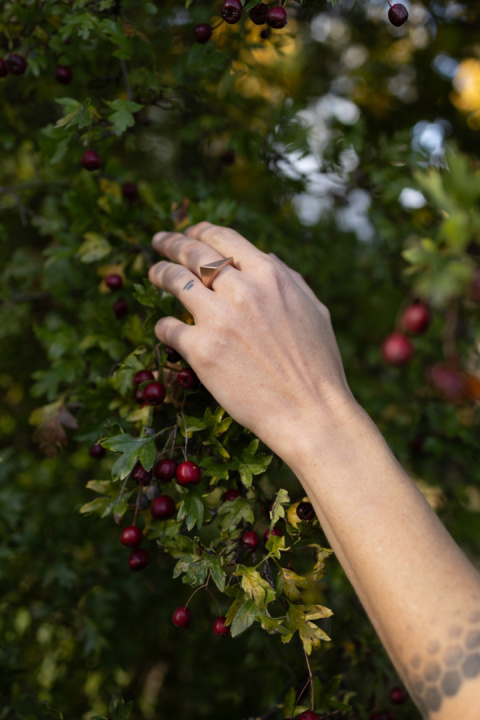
(278, 511)
(78, 114)
(288, 582)
(252, 464)
(95, 247)
(193, 424)
(321, 557)
(233, 512)
(252, 583)
(131, 450)
(115, 32)
(122, 117)
(310, 634)
(246, 615)
(98, 505)
(192, 509)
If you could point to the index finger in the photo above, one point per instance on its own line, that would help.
(227, 242)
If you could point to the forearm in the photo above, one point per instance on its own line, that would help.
(419, 590)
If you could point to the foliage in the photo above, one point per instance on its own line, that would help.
(326, 113)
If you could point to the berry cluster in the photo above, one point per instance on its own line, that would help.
(232, 11)
(397, 349)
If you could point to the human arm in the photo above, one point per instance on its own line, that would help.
(263, 345)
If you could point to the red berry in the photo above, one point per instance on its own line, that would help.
(130, 191)
(231, 495)
(63, 74)
(154, 394)
(120, 308)
(188, 473)
(416, 318)
(305, 511)
(250, 540)
(172, 355)
(141, 476)
(114, 281)
(398, 14)
(450, 383)
(138, 559)
(308, 715)
(131, 536)
(232, 11)
(182, 617)
(277, 17)
(219, 627)
(202, 32)
(96, 451)
(268, 533)
(16, 64)
(398, 695)
(3, 68)
(165, 469)
(143, 376)
(163, 508)
(258, 14)
(397, 349)
(90, 160)
(187, 379)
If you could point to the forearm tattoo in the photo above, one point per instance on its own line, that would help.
(189, 285)
(446, 665)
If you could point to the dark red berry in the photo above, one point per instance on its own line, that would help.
(398, 14)
(90, 160)
(3, 68)
(172, 355)
(63, 74)
(154, 394)
(397, 349)
(165, 469)
(163, 508)
(232, 11)
(398, 695)
(16, 64)
(305, 511)
(141, 476)
(308, 715)
(231, 495)
(114, 281)
(268, 533)
(130, 191)
(188, 473)
(187, 379)
(258, 14)
(277, 17)
(182, 617)
(250, 540)
(416, 318)
(120, 308)
(219, 627)
(228, 157)
(143, 376)
(450, 382)
(202, 32)
(131, 536)
(96, 451)
(138, 559)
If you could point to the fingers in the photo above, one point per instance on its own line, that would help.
(175, 334)
(179, 281)
(227, 242)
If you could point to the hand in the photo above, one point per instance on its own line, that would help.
(262, 343)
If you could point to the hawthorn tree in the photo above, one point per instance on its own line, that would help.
(322, 139)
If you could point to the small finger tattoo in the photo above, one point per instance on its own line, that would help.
(189, 285)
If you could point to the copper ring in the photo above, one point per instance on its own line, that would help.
(209, 272)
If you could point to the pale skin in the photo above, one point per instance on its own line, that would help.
(263, 345)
